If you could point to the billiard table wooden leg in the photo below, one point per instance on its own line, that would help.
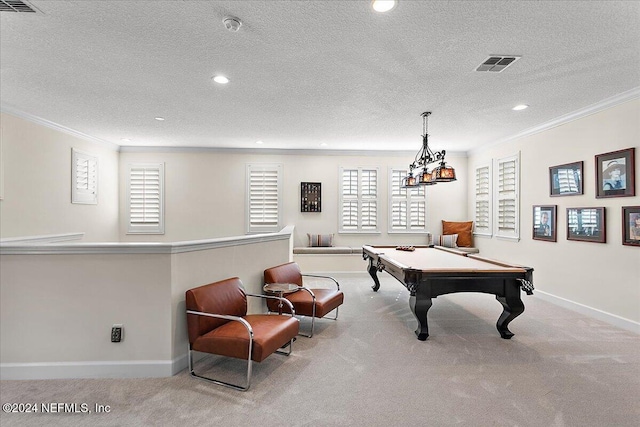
(373, 272)
(513, 307)
(420, 307)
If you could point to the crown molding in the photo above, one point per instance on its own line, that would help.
(277, 151)
(578, 114)
(7, 109)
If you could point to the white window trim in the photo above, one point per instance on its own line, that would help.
(360, 199)
(488, 231)
(146, 229)
(257, 228)
(88, 195)
(410, 196)
(515, 196)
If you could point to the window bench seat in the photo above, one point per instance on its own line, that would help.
(328, 250)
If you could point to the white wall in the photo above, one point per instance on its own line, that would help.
(605, 277)
(205, 194)
(58, 302)
(59, 309)
(37, 184)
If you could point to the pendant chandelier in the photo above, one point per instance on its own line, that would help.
(425, 157)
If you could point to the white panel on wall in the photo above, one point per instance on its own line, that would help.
(359, 200)
(483, 201)
(507, 197)
(407, 206)
(84, 178)
(264, 198)
(145, 198)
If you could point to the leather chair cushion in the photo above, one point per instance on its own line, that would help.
(326, 301)
(232, 339)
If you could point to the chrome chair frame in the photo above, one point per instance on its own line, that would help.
(250, 333)
(313, 297)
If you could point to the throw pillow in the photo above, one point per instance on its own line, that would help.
(448, 241)
(464, 230)
(320, 240)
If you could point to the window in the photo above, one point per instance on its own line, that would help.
(145, 198)
(507, 197)
(483, 201)
(359, 200)
(84, 176)
(407, 207)
(263, 198)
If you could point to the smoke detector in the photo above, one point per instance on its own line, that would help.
(232, 23)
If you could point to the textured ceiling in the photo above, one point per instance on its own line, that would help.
(310, 72)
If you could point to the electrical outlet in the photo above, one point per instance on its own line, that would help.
(117, 332)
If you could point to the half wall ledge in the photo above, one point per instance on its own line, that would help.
(43, 245)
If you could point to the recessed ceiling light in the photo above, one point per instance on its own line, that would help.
(324, 144)
(259, 142)
(221, 79)
(160, 119)
(520, 107)
(383, 5)
(125, 140)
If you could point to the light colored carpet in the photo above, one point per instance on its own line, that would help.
(368, 369)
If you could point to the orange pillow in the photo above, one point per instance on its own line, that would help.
(464, 230)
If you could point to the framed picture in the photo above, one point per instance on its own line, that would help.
(566, 180)
(545, 223)
(631, 225)
(586, 224)
(615, 174)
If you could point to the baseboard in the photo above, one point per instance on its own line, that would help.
(612, 319)
(98, 369)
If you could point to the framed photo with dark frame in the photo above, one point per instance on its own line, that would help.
(615, 174)
(631, 225)
(586, 224)
(566, 180)
(545, 222)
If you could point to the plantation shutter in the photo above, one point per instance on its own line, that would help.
(417, 215)
(145, 199)
(349, 193)
(369, 199)
(263, 197)
(483, 200)
(507, 203)
(358, 200)
(84, 188)
(399, 215)
(407, 207)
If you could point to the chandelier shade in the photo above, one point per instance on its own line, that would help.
(425, 157)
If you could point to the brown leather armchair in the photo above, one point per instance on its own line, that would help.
(218, 323)
(316, 302)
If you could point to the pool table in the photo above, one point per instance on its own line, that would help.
(428, 272)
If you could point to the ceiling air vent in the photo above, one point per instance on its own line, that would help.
(497, 63)
(15, 6)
